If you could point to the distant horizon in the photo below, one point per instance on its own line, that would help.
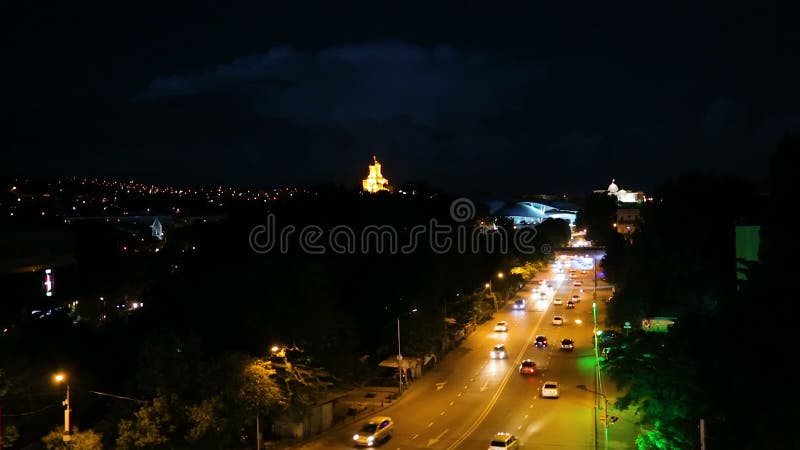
(760, 183)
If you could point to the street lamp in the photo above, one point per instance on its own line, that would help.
(597, 368)
(399, 359)
(594, 266)
(58, 379)
(488, 286)
(605, 412)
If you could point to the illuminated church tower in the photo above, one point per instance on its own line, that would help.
(375, 181)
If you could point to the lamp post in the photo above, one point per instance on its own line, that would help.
(399, 359)
(491, 294)
(59, 378)
(597, 368)
(488, 286)
(594, 266)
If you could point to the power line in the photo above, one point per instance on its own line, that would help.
(29, 413)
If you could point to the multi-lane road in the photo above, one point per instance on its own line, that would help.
(470, 397)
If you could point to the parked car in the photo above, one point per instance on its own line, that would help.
(377, 429)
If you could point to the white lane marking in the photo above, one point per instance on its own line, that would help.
(440, 386)
(442, 413)
(451, 403)
(430, 424)
(414, 436)
(436, 439)
(482, 416)
(485, 385)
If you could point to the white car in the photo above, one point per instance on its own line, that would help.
(377, 429)
(576, 283)
(558, 320)
(558, 301)
(519, 304)
(501, 326)
(498, 352)
(550, 389)
(504, 441)
(576, 298)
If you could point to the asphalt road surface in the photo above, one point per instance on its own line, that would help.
(470, 397)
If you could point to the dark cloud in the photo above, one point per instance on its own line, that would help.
(439, 87)
(516, 98)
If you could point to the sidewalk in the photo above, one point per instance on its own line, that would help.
(623, 428)
(623, 431)
(358, 405)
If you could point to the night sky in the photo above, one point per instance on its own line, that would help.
(504, 97)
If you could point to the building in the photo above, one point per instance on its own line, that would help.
(623, 196)
(375, 182)
(628, 220)
(532, 213)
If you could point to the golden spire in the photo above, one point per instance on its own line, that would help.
(375, 181)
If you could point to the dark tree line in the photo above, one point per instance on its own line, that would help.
(198, 354)
(726, 359)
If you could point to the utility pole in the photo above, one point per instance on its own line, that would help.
(399, 358)
(702, 434)
(58, 378)
(258, 432)
(67, 413)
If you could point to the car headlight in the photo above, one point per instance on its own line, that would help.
(371, 438)
(355, 437)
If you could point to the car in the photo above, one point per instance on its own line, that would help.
(377, 429)
(540, 341)
(558, 301)
(583, 272)
(519, 304)
(527, 367)
(606, 338)
(550, 389)
(570, 304)
(558, 320)
(501, 326)
(504, 441)
(576, 298)
(567, 344)
(576, 283)
(498, 352)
